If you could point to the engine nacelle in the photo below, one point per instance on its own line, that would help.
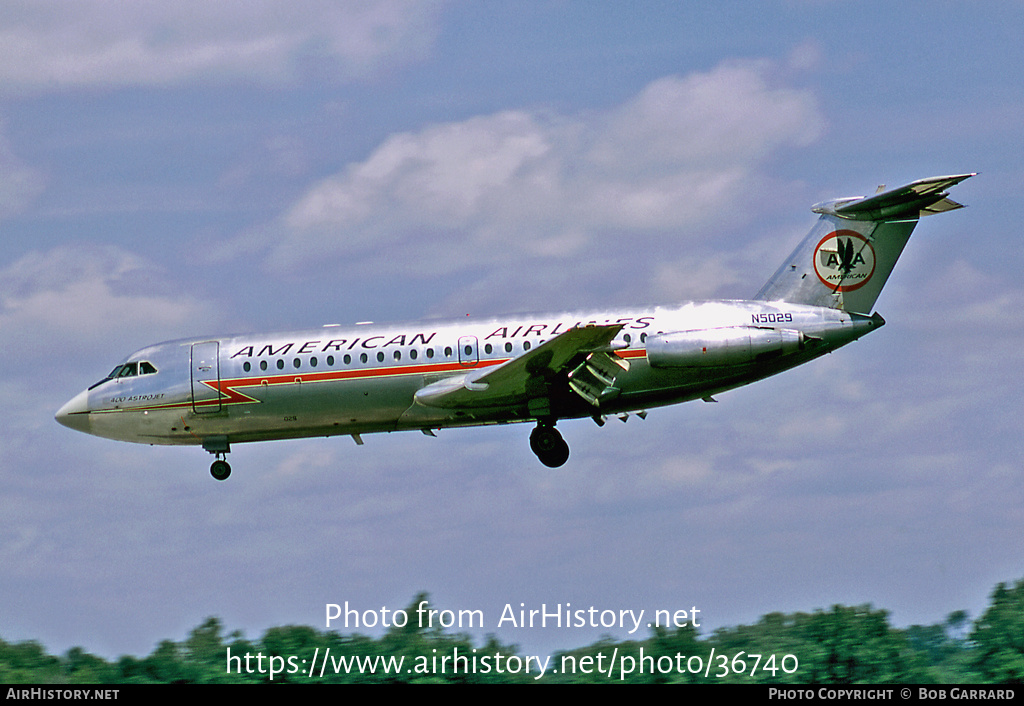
(731, 345)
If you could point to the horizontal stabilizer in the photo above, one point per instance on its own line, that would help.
(920, 198)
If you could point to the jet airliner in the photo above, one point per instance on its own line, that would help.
(216, 391)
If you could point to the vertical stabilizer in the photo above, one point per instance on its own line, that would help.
(845, 260)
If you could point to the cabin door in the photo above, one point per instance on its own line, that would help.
(206, 377)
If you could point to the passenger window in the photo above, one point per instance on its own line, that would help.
(280, 364)
(330, 360)
(398, 355)
(312, 362)
(488, 348)
(430, 352)
(508, 347)
(362, 357)
(263, 365)
(526, 345)
(412, 354)
(380, 357)
(297, 363)
(447, 351)
(246, 366)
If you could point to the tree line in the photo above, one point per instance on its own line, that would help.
(840, 645)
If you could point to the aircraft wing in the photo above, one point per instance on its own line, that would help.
(522, 377)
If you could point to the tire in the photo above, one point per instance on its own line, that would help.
(220, 470)
(556, 457)
(549, 446)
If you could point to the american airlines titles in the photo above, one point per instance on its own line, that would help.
(381, 341)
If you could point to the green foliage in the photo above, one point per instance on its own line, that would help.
(26, 662)
(998, 637)
(854, 645)
(84, 668)
(837, 646)
(945, 649)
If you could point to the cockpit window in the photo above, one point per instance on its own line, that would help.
(128, 370)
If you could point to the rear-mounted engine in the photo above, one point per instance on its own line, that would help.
(732, 345)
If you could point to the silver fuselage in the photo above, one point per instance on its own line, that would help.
(364, 378)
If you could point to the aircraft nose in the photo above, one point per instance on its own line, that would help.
(75, 414)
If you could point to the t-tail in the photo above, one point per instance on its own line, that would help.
(847, 257)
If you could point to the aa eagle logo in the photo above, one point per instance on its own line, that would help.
(844, 260)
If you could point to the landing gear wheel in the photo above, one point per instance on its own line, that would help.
(220, 470)
(550, 447)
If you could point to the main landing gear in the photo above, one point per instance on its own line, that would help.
(548, 444)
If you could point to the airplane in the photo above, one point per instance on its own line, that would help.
(540, 369)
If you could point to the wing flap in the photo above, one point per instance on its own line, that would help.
(594, 378)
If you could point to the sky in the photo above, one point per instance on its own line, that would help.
(187, 169)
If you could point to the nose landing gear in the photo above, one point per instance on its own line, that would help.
(220, 469)
(219, 447)
(548, 444)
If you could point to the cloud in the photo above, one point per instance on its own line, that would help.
(52, 45)
(728, 116)
(687, 151)
(84, 297)
(703, 277)
(19, 183)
